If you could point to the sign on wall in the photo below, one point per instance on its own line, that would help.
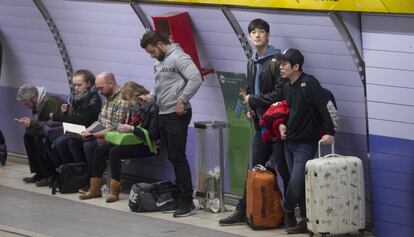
(238, 136)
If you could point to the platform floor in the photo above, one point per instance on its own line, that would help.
(27, 210)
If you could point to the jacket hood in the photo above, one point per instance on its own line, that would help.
(269, 52)
(173, 47)
(41, 92)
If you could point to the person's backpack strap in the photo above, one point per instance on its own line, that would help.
(273, 65)
(274, 62)
(181, 75)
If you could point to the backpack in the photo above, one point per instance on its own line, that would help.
(70, 178)
(274, 65)
(330, 104)
(151, 197)
(3, 149)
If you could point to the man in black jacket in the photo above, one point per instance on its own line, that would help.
(265, 87)
(308, 114)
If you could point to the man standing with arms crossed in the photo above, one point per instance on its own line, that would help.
(265, 87)
(177, 79)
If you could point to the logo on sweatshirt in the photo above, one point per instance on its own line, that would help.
(168, 69)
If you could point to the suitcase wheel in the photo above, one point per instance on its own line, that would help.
(310, 234)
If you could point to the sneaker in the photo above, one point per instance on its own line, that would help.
(185, 209)
(32, 179)
(238, 217)
(43, 182)
(300, 228)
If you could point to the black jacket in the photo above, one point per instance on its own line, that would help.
(271, 86)
(307, 116)
(83, 110)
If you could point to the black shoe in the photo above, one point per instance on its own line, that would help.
(43, 182)
(185, 209)
(238, 217)
(32, 179)
(300, 228)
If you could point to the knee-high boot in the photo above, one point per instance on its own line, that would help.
(94, 190)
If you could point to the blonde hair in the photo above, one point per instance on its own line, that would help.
(132, 90)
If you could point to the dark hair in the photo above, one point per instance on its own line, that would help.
(258, 23)
(153, 38)
(87, 76)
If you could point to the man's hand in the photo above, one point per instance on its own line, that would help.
(25, 121)
(282, 130)
(124, 128)
(250, 115)
(144, 99)
(246, 99)
(179, 107)
(327, 139)
(86, 135)
(64, 108)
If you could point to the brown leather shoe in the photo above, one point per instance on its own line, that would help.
(300, 228)
(289, 219)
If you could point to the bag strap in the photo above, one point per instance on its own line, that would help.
(150, 143)
(181, 75)
(273, 66)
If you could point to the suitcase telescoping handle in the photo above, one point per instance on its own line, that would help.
(332, 150)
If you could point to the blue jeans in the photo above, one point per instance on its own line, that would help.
(261, 154)
(297, 154)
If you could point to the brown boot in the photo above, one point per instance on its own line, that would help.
(114, 189)
(289, 218)
(300, 228)
(94, 189)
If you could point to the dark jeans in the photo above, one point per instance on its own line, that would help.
(83, 150)
(261, 153)
(173, 131)
(115, 154)
(36, 155)
(297, 154)
(61, 152)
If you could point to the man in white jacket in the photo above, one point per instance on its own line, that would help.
(177, 79)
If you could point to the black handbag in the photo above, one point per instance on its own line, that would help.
(70, 178)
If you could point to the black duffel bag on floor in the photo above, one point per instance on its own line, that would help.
(70, 178)
(159, 196)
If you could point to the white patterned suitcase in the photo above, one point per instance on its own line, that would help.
(335, 194)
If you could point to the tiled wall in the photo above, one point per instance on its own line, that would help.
(389, 54)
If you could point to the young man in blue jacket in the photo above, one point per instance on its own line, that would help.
(265, 86)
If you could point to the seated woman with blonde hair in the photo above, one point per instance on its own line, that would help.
(140, 116)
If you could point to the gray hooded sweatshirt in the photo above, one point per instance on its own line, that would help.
(176, 77)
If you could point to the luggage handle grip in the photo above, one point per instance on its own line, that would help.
(332, 150)
(259, 167)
